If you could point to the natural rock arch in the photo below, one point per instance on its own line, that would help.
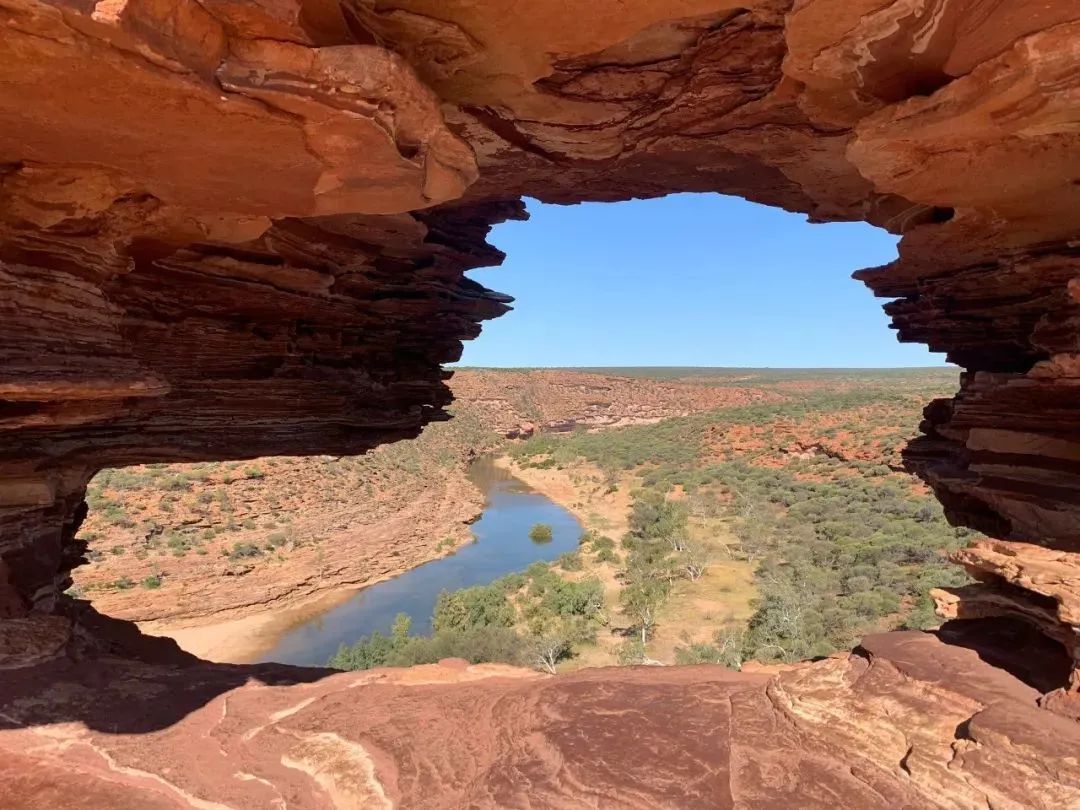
(232, 228)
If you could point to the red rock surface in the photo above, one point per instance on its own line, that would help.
(905, 721)
(1023, 581)
(521, 402)
(235, 228)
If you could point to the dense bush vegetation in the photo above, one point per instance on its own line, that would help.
(834, 558)
(675, 444)
(839, 547)
(533, 618)
(476, 644)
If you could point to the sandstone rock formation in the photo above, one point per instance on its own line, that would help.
(1020, 580)
(904, 721)
(232, 228)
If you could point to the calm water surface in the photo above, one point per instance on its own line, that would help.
(502, 547)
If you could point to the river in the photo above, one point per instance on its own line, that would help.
(502, 547)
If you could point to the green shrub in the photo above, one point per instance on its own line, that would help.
(601, 543)
(511, 583)
(540, 533)
(178, 544)
(479, 606)
(552, 598)
(475, 644)
(630, 653)
(177, 483)
(697, 654)
(152, 582)
(570, 561)
(242, 551)
(608, 556)
(113, 514)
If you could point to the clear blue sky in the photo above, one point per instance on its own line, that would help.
(687, 280)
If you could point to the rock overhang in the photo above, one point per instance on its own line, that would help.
(231, 228)
(249, 223)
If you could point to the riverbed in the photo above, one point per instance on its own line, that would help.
(502, 546)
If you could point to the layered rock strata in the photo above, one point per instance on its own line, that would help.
(232, 228)
(1022, 581)
(293, 283)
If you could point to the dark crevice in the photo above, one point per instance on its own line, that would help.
(962, 732)
(1014, 646)
(904, 760)
(928, 84)
(940, 215)
(15, 410)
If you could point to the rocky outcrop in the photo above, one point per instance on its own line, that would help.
(232, 228)
(905, 721)
(1018, 580)
(294, 282)
(519, 403)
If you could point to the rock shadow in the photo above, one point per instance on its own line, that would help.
(1014, 646)
(116, 679)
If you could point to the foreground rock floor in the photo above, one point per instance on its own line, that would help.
(907, 720)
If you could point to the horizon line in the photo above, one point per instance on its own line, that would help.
(945, 367)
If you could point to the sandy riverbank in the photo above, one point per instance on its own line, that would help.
(580, 491)
(240, 623)
(245, 639)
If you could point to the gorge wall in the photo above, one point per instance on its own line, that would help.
(232, 228)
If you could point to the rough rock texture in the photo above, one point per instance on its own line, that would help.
(1023, 581)
(519, 403)
(904, 721)
(232, 228)
(293, 283)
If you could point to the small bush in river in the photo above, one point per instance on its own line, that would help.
(540, 533)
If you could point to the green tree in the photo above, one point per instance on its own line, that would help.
(479, 606)
(399, 632)
(641, 599)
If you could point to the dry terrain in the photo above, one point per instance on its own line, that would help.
(557, 400)
(224, 556)
(822, 437)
